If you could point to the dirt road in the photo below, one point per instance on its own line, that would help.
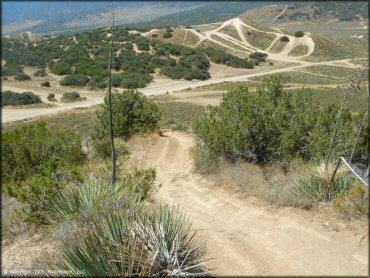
(244, 238)
(9, 115)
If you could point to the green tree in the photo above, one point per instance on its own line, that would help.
(132, 113)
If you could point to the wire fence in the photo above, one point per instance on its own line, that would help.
(357, 170)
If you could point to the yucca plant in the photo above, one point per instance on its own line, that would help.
(154, 243)
(78, 205)
(317, 184)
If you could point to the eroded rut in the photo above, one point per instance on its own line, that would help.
(244, 238)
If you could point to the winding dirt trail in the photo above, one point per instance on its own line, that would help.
(243, 238)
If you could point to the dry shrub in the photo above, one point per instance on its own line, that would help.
(355, 202)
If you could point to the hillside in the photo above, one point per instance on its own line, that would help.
(46, 17)
(64, 17)
(306, 11)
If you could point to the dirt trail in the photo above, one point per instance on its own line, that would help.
(154, 88)
(248, 239)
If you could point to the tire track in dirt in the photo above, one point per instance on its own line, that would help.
(247, 239)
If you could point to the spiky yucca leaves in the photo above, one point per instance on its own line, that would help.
(79, 205)
(317, 185)
(158, 243)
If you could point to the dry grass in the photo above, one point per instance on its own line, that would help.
(268, 183)
(299, 50)
(278, 46)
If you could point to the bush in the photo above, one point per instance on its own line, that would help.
(354, 202)
(271, 125)
(142, 43)
(61, 69)
(12, 98)
(88, 201)
(22, 77)
(133, 242)
(41, 73)
(167, 35)
(45, 84)
(284, 39)
(258, 56)
(102, 148)
(35, 162)
(71, 96)
(299, 34)
(11, 70)
(51, 97)
(74, 80)
(132, 113)
(221, 57)
(131, 80)
(317, 186)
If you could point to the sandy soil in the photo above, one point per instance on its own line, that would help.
(243, 237)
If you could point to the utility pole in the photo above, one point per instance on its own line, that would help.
(110, 106)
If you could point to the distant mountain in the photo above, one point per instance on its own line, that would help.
(43, 17)
(209, 13)
(57, 17)
(308, 10)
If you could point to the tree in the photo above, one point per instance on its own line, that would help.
(299, 34)
(131, 113)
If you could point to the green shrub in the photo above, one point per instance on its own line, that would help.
(141, 182)
(12, 98)
(299, 34)
(258, 56)
(45, 84)
(142, 43)
(22, 77)
(167, 35)
(71, 96)
(102, 148)
(221, 57)
(36, 161)
(61, 69)
(41, 73)
(51, 97)
(271, 125)
(74, 80)
(132, 113)
(33, 147)
(131, 80)
(11, 70)
(284, 39)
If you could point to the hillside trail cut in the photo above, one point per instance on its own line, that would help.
(245, 238)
